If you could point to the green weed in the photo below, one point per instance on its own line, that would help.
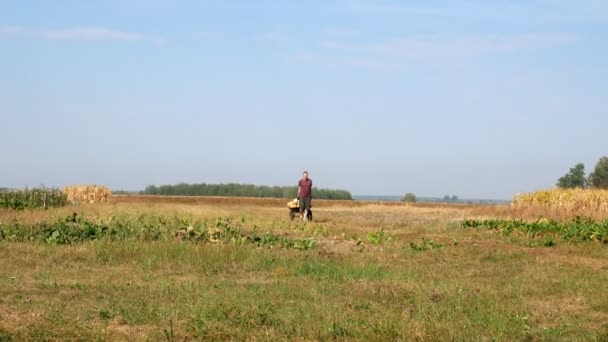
(426, 245)
(77, 229)
(577, 229)
(378, 237)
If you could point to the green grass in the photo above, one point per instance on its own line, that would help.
(148, 282)
(229, 292)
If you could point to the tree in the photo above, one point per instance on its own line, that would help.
(599, 177)
(454, 198)
(573, 179)
(409, 197)
(447, 198)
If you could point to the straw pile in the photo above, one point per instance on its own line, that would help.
(570, 200)
(87, 193)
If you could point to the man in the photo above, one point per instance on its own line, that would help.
(305, 194)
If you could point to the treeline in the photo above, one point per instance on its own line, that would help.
(241, 190)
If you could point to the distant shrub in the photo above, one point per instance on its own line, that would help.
(409, 197)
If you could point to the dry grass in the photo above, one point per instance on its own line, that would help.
(272, 202)
(478, 286)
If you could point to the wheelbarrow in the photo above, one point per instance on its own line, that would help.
(294, 209)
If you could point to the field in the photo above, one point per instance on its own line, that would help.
(183, 269)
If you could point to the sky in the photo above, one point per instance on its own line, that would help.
(481, 99)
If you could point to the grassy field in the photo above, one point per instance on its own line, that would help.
(240, 270)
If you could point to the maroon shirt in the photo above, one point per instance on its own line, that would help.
(305, 187)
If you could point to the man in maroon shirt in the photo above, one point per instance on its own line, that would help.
(305, 194)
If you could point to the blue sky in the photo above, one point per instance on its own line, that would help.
(482, 99)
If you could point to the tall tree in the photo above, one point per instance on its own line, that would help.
(599, 177)
(573, 179)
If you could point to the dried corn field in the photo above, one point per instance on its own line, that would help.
(87, 193)
(568, 201)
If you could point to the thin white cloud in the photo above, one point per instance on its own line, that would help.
(74, 33)
(209, 35)
(552, 11)
(9, 30)
(368, 7)
(428, 9)
(363, 62)
(342, 32)
(425, 46)
(273, 38)
(399, 53)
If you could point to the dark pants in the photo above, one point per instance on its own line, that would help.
(305, 203)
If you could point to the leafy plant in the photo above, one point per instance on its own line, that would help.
(76, 228)
(577, 229)
(426, 245)
(378, 237)
(32, 198)
(274, 240)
